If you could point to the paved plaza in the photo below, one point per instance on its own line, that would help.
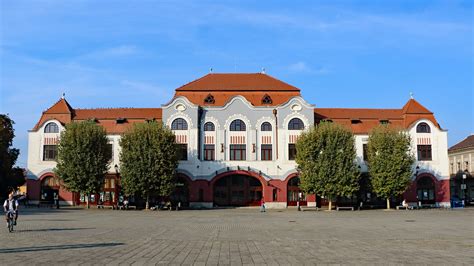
(239, 236)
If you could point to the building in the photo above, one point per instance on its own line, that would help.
(237, 135)
(461, 160)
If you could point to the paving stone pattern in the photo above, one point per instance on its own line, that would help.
(238, 237)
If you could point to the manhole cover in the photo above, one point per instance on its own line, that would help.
(410, 221)
(292, 221)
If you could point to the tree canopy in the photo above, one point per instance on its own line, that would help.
(148, 160)
(83, 157)
(326, 159)
(10, 177)
(390, 161)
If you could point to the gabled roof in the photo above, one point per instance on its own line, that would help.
(237, 82)
(60, 107)
(414, 107)
(467, 143)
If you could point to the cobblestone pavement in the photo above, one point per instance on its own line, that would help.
(239, 236)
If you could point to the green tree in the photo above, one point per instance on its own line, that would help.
(83, 157)
(148, 160)
(326, 159)
(390, 161)
(10, 177)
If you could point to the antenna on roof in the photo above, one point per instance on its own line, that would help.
(411, 95)
(210, 70)
(263, 70)
(64, 95)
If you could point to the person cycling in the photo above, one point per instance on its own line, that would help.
(11, 204)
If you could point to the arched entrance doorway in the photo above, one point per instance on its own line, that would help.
(293, 189)
(425, 190)
(49, 188)
(181, 192)
(237, 190)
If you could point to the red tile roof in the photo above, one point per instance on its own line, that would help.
(370, 118)
(223, 87)
(467, 143)
(114, 113)
(237, 82)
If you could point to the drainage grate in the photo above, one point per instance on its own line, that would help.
(410, 221)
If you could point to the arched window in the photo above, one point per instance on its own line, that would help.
(266, 127)
(237, 125)
(209, 99)
(209, 126)
(423, 128)
(51, 128)
(179, 124)
(267, 99)
(295, 124)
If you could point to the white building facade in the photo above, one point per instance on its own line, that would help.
(237, 135)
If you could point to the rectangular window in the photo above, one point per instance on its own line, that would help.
(424, 153)
(110, 146)
(49, 152)
(237, 152)
(182, 152)
(364, 152)
(209, 152)
(266, 152)
(291, 151)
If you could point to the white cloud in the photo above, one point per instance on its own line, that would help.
(302, 67)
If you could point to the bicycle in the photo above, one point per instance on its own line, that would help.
(10, 220)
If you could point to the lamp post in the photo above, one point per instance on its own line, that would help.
(463, 187)
(416, 175)
(116, 167)
(300, 195)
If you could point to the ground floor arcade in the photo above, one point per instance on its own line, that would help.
(234, 189)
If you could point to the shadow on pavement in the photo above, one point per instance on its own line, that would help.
(52, 229)
(58, 247)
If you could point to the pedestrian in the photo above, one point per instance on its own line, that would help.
(262, 205)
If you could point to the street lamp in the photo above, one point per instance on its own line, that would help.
(463, 187)
(300, 195)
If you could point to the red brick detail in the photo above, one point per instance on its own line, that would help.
(442, 189)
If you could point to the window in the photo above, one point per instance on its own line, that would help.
(364, 152)
(295, 124)
(425, 190)
(182, 152)
(179, 124)
(423, 128)
(110, 147)
(237, 152)
(291, 151)
(209, 152)
(384, 122)
(266, 99)
(121, 120)
(209, 126)
(266, 152)
(424, 153)
(209, 99)
(266, 127)
(51, 128)
(237, 125)
(49, 152)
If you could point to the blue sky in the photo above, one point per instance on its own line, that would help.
(368, 54)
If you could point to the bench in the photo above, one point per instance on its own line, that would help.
(121, 207)
(105, 206)
(405, 207)
(306, 208)
(345, 208)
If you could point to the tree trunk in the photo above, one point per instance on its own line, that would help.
(330, 204)
(147, 202)
(388, 204)
(88, 200)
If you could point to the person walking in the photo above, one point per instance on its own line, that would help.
(262, 205)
